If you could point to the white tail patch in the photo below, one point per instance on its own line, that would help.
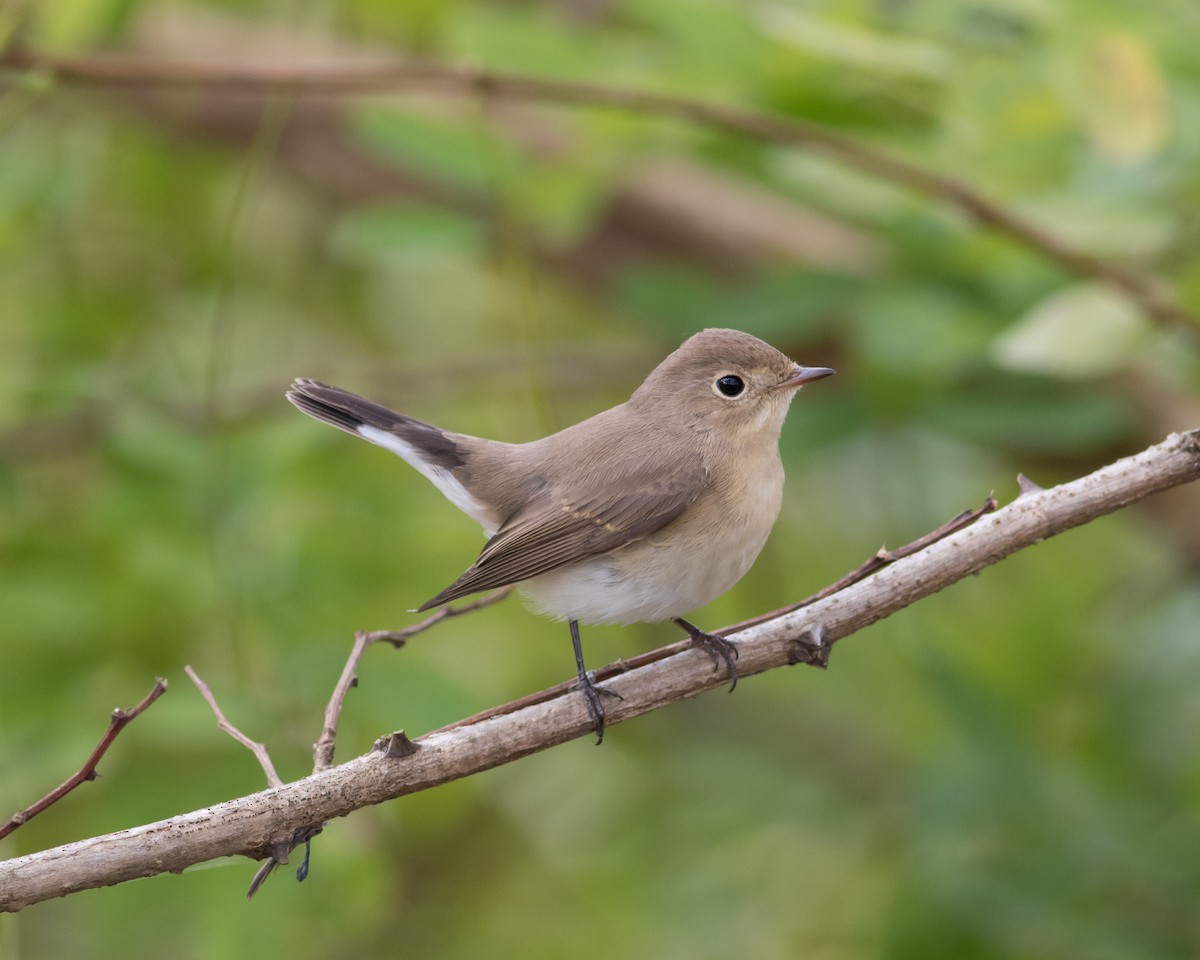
(440, 477)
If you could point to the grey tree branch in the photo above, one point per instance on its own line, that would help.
(253, 825)
(1152, 294)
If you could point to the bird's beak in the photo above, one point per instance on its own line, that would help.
(802, 375)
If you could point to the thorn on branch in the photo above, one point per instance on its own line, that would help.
(396, 745)
(1027, 486)
(812, 647)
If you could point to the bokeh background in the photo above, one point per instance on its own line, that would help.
(1008, 769)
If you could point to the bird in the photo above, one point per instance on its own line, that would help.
(640, 513)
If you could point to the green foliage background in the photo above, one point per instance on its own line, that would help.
(1008, 769)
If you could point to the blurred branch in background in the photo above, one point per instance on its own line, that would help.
(1150, 293)
(255, 825)
(674, 205)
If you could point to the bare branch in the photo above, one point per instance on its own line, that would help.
(279, 850)
(258, 749)
(397, 638)
(251, 825)
(119, 720)
(1152, 294)
(324, 747)
(881, 558)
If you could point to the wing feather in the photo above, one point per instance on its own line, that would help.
(554, 530)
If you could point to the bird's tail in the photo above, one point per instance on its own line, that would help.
(433, 451)
(343, 409)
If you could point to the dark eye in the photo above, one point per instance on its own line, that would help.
(729, 385)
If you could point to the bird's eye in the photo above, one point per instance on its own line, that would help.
(729, 385)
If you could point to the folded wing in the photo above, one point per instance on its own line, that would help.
(553, 529)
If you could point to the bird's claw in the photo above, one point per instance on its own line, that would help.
(720, 651)
(592, 696)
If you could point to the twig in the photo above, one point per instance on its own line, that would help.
(880, 559)
(280, 851)
(397, 638)
(259, 750)
(1152, 294)
(117, 722)
(247, 825)
(324, 747)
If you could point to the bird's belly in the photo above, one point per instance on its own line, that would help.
(663, 576)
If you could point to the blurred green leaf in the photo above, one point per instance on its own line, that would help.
(463, 154)
(787, 305)
(918, 333)
(369, 234)
(854, 47)
(1035, 415)
(1123, 97)
(1083, 331)
(76, 23)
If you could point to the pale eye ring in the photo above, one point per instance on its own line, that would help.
(729, 386)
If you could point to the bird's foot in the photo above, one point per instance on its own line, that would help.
(721, 651)
(593, 696)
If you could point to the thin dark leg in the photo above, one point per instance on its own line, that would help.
(591, 692)
(721, 650)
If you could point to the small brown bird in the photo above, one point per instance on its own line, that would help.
(641, 513)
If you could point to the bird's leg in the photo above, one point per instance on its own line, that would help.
(721, 651)
(587, 686)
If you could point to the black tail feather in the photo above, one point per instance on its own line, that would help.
(348, 411)
(340, 408)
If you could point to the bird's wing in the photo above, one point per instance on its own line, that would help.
(554, 529)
